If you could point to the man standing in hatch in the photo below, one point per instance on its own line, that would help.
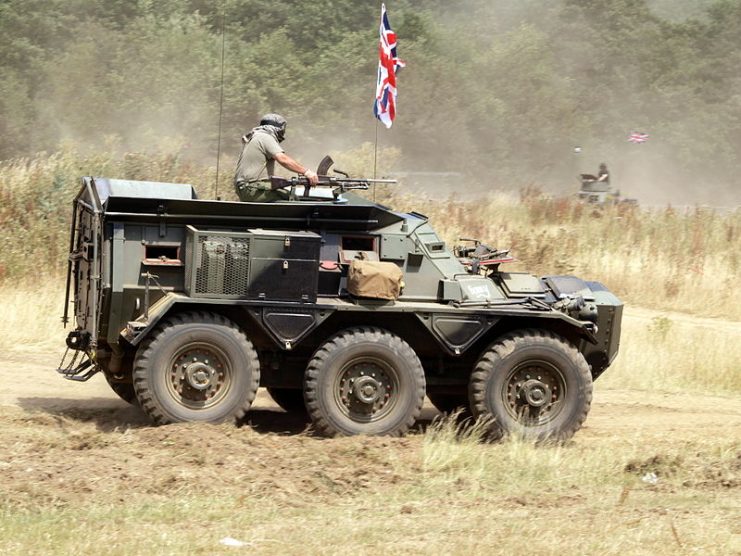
(261, 148)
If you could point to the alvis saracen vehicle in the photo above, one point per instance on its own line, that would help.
(337, 305)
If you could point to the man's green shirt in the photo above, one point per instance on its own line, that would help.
(257, 156)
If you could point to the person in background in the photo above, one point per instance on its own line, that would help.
(603, 175)
(260, 150)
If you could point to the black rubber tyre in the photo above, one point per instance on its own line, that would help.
(124, 390)
(448, 403)
(196, 367)
(364, 381)
(289, 399)
(533, 384)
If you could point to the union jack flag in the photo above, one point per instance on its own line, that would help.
(637, 137)
(384, 107)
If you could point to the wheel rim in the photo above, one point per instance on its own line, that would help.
(200, 376)
(366, 389)
(534, 392)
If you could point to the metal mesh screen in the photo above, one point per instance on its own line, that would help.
(223, 265)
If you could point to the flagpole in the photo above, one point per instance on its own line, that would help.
(221, 98)
(375, 160)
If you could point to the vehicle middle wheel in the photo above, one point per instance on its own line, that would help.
(364, 381)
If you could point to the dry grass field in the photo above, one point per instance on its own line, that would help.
(649, 474)
(655, 470)
(686, 260)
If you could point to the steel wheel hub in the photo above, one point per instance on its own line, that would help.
(365, 389)
(533, 393)
(200, 376)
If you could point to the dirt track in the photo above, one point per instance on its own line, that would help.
(623, 413)
(41, 389)
(71, 428)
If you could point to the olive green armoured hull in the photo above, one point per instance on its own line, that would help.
(146, 258)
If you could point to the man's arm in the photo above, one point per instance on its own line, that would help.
(294, 166)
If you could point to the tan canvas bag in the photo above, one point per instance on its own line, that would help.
(374, 279)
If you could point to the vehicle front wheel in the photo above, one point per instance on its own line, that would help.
(533, 384)
(364, 381)
(196, 367)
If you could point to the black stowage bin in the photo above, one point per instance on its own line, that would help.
(284, 265)
(329, 281)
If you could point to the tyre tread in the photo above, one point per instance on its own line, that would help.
(347, 338)
(486, 366)
(159, 336)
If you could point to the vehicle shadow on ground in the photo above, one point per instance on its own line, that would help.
(109, 415)
(277, 421)
(106, 414)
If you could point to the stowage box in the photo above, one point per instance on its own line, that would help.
(256, 264)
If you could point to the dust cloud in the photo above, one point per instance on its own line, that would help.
(450, 138)
(684, 162)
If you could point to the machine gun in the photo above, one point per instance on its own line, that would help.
(338, 184)
(479, 256)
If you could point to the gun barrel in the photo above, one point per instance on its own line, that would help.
(332, 180)
(382, 181)
(278, 182)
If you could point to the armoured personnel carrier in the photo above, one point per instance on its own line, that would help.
(599, 193)
(339, 306)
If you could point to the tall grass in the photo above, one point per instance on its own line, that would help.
(685, 260)
(31, 318)
(674, 353)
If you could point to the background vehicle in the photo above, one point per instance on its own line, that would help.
(188, 305)
(600, 193)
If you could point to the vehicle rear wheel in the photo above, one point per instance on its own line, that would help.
(533, 384)
(364, 381)
(289, 399)
(446, 402)
(196, 367)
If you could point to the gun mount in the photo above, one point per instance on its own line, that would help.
(339, 306)
(301, 189)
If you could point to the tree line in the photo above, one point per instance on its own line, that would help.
(501, 90)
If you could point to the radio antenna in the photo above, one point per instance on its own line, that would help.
(221, 96)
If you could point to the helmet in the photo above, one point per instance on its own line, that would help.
(277, 121)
